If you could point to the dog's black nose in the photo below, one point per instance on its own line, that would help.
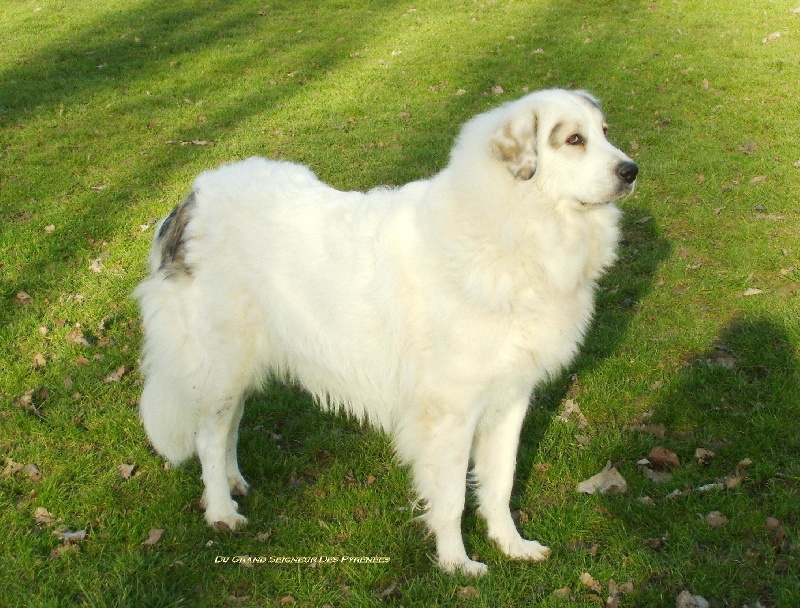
(628, 171)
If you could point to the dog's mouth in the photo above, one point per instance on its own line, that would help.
(624, 191)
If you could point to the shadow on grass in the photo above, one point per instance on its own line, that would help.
(147, 54)
(739, 399)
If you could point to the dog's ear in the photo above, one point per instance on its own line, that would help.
(514, 143)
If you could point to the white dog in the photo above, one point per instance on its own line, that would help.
(429, 310)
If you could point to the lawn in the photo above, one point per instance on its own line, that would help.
(107, 112)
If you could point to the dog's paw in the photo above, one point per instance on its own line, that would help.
(464, 566)
(238, 485)
(225, 521)
(528, 550)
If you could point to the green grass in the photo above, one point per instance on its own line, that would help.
(95, 102)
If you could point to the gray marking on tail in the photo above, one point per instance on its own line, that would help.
(172, 238)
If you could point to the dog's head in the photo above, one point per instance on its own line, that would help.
(557, 140)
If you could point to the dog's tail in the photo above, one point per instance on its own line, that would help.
(168, 402)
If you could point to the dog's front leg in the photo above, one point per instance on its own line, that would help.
(495, 454)
(437, 446)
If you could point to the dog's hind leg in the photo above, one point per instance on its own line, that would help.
(236, 483)
(494, 455)
(213, 442)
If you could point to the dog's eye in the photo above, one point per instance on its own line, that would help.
(575, 140)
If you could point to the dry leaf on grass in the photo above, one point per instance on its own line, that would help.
(588, 581)
(467, 593)
(117, 375)
(43, 516)
(663, 458)
(571, 410)
(607, 481)
(126, 470)
(23, 298)
(153, 537)
(703, 456)
(76, 336)
(715, 519)
(687, 600)
(748, 147)
(656, 476)
(12, 467)
(71, 537)
(33, 472)
(770, 37)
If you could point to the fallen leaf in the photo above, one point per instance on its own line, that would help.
(705, 83)
(25, 402)
(467, 593)
(96, 265)
(12, 467)
(687, 600)
(389, 592)
(588, 581)
(43, 516)
(748, 147)
(752, 291)
(33, 472)
(71, 537)
(656, 476)
(703, 456)
(287, 600)
(76, 336)
(571, 410)
(153, 537)
(497, 90)
(563, 593)
(715, 519)
(675, 494)
(662, 458)
(607, 481)
(126, 470)
(644, 220)
(117, 375)
(796, 164)
(770, 37)
(23, 298)
(758, 179)
(39, 361)
(49, 229)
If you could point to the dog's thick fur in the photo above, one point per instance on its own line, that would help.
(430, 311)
